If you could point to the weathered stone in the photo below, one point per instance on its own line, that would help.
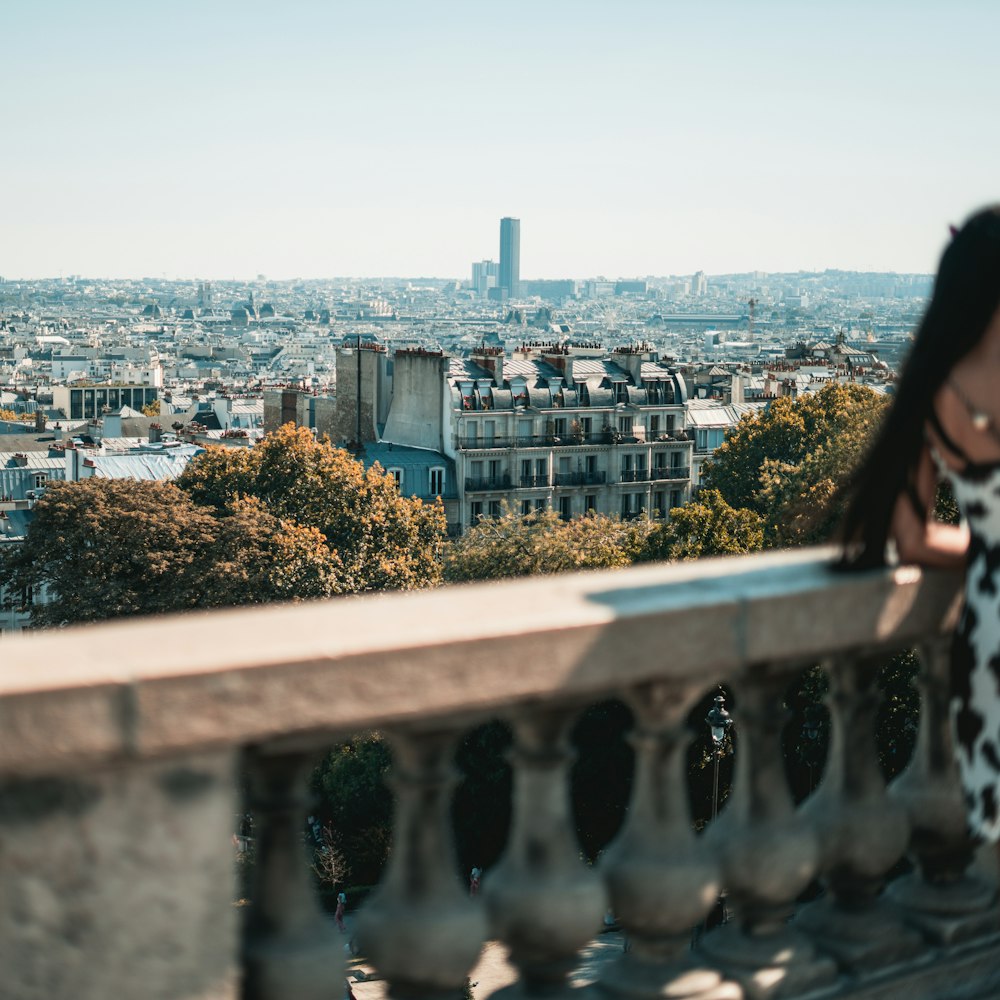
(111, 886)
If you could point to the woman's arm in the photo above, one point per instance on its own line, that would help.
(922, 539)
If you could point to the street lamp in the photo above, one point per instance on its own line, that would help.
(718, 721)
(811, 725)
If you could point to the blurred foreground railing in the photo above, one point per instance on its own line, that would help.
(120, 747)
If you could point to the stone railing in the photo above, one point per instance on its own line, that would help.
(121, 747)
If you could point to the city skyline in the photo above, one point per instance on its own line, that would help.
(373, 140)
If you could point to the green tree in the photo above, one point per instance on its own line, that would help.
(383, 541)
(541, 542)
(706, 526)
(108, 548)
(355, 801)
(788, 462)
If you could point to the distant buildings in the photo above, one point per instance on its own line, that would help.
(510, 257)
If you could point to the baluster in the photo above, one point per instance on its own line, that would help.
(862, 831)
(769, 856)
(544, 902)
(289, 948)
(420, 929)
(942, 898)
(661, 878)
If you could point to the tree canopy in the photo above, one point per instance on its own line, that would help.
(788, 462)
(383, 541)
(540, 543)
(108, 548)
(707, 526)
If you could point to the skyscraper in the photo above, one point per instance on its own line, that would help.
(510, 256)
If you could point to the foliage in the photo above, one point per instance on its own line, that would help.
(706, 526)
(788, 461)
(382, 541)
(11, 416)
(355, 803)
(152, 409)
(540, 543)
(107, 548)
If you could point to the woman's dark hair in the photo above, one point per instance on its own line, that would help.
(966, 298)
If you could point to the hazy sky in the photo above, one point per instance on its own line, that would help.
(317, 138)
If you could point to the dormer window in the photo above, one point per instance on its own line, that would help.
(397, 474)
(436, 481)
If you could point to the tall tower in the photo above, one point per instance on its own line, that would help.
(510, 256)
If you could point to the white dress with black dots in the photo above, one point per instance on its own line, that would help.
(975, 662)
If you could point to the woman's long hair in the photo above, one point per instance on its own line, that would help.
(965, 300)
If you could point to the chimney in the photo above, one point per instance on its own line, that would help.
(155, 433)
(20, 459)
(39, 421)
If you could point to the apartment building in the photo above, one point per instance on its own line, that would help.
(567, 426)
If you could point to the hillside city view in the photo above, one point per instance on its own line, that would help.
(499, 502)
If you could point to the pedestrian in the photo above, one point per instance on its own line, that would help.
(338, 914)
(474, 882)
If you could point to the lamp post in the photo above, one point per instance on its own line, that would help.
(718, 721)
(811, 726)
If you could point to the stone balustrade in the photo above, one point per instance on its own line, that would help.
(121, 747)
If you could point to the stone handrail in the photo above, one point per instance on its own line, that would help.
(120, 745)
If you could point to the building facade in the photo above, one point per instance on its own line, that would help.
(571, 428)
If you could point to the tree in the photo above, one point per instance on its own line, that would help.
(383, 541)
(11, 416)
(107, 548)
(356, 805)
(707, 526)
(787, 463)
(152, 409)
(540, 543)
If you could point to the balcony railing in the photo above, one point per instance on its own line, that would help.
(121, 746)
(489, 484)
(635, 476)
(671, 472)
(533, 482)
(580, 478)
(534, 441)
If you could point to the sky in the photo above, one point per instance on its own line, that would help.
(326, 138)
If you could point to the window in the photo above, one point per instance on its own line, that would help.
(494, 469)
(437, 482)
(586, 423)
(41, 480)
(525, 506)
(475, 512)
(472, 434)
(659, 502)
(675, 498)
(654, 425)
(525, 468)
(540, 504)
(625, 425)
(565, 508)
(494, 509)
(542, 467)
(476, 468)
(489, 433)
(524, 430)
(590, 501)
(560, 427)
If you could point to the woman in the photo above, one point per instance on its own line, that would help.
(945, 425)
